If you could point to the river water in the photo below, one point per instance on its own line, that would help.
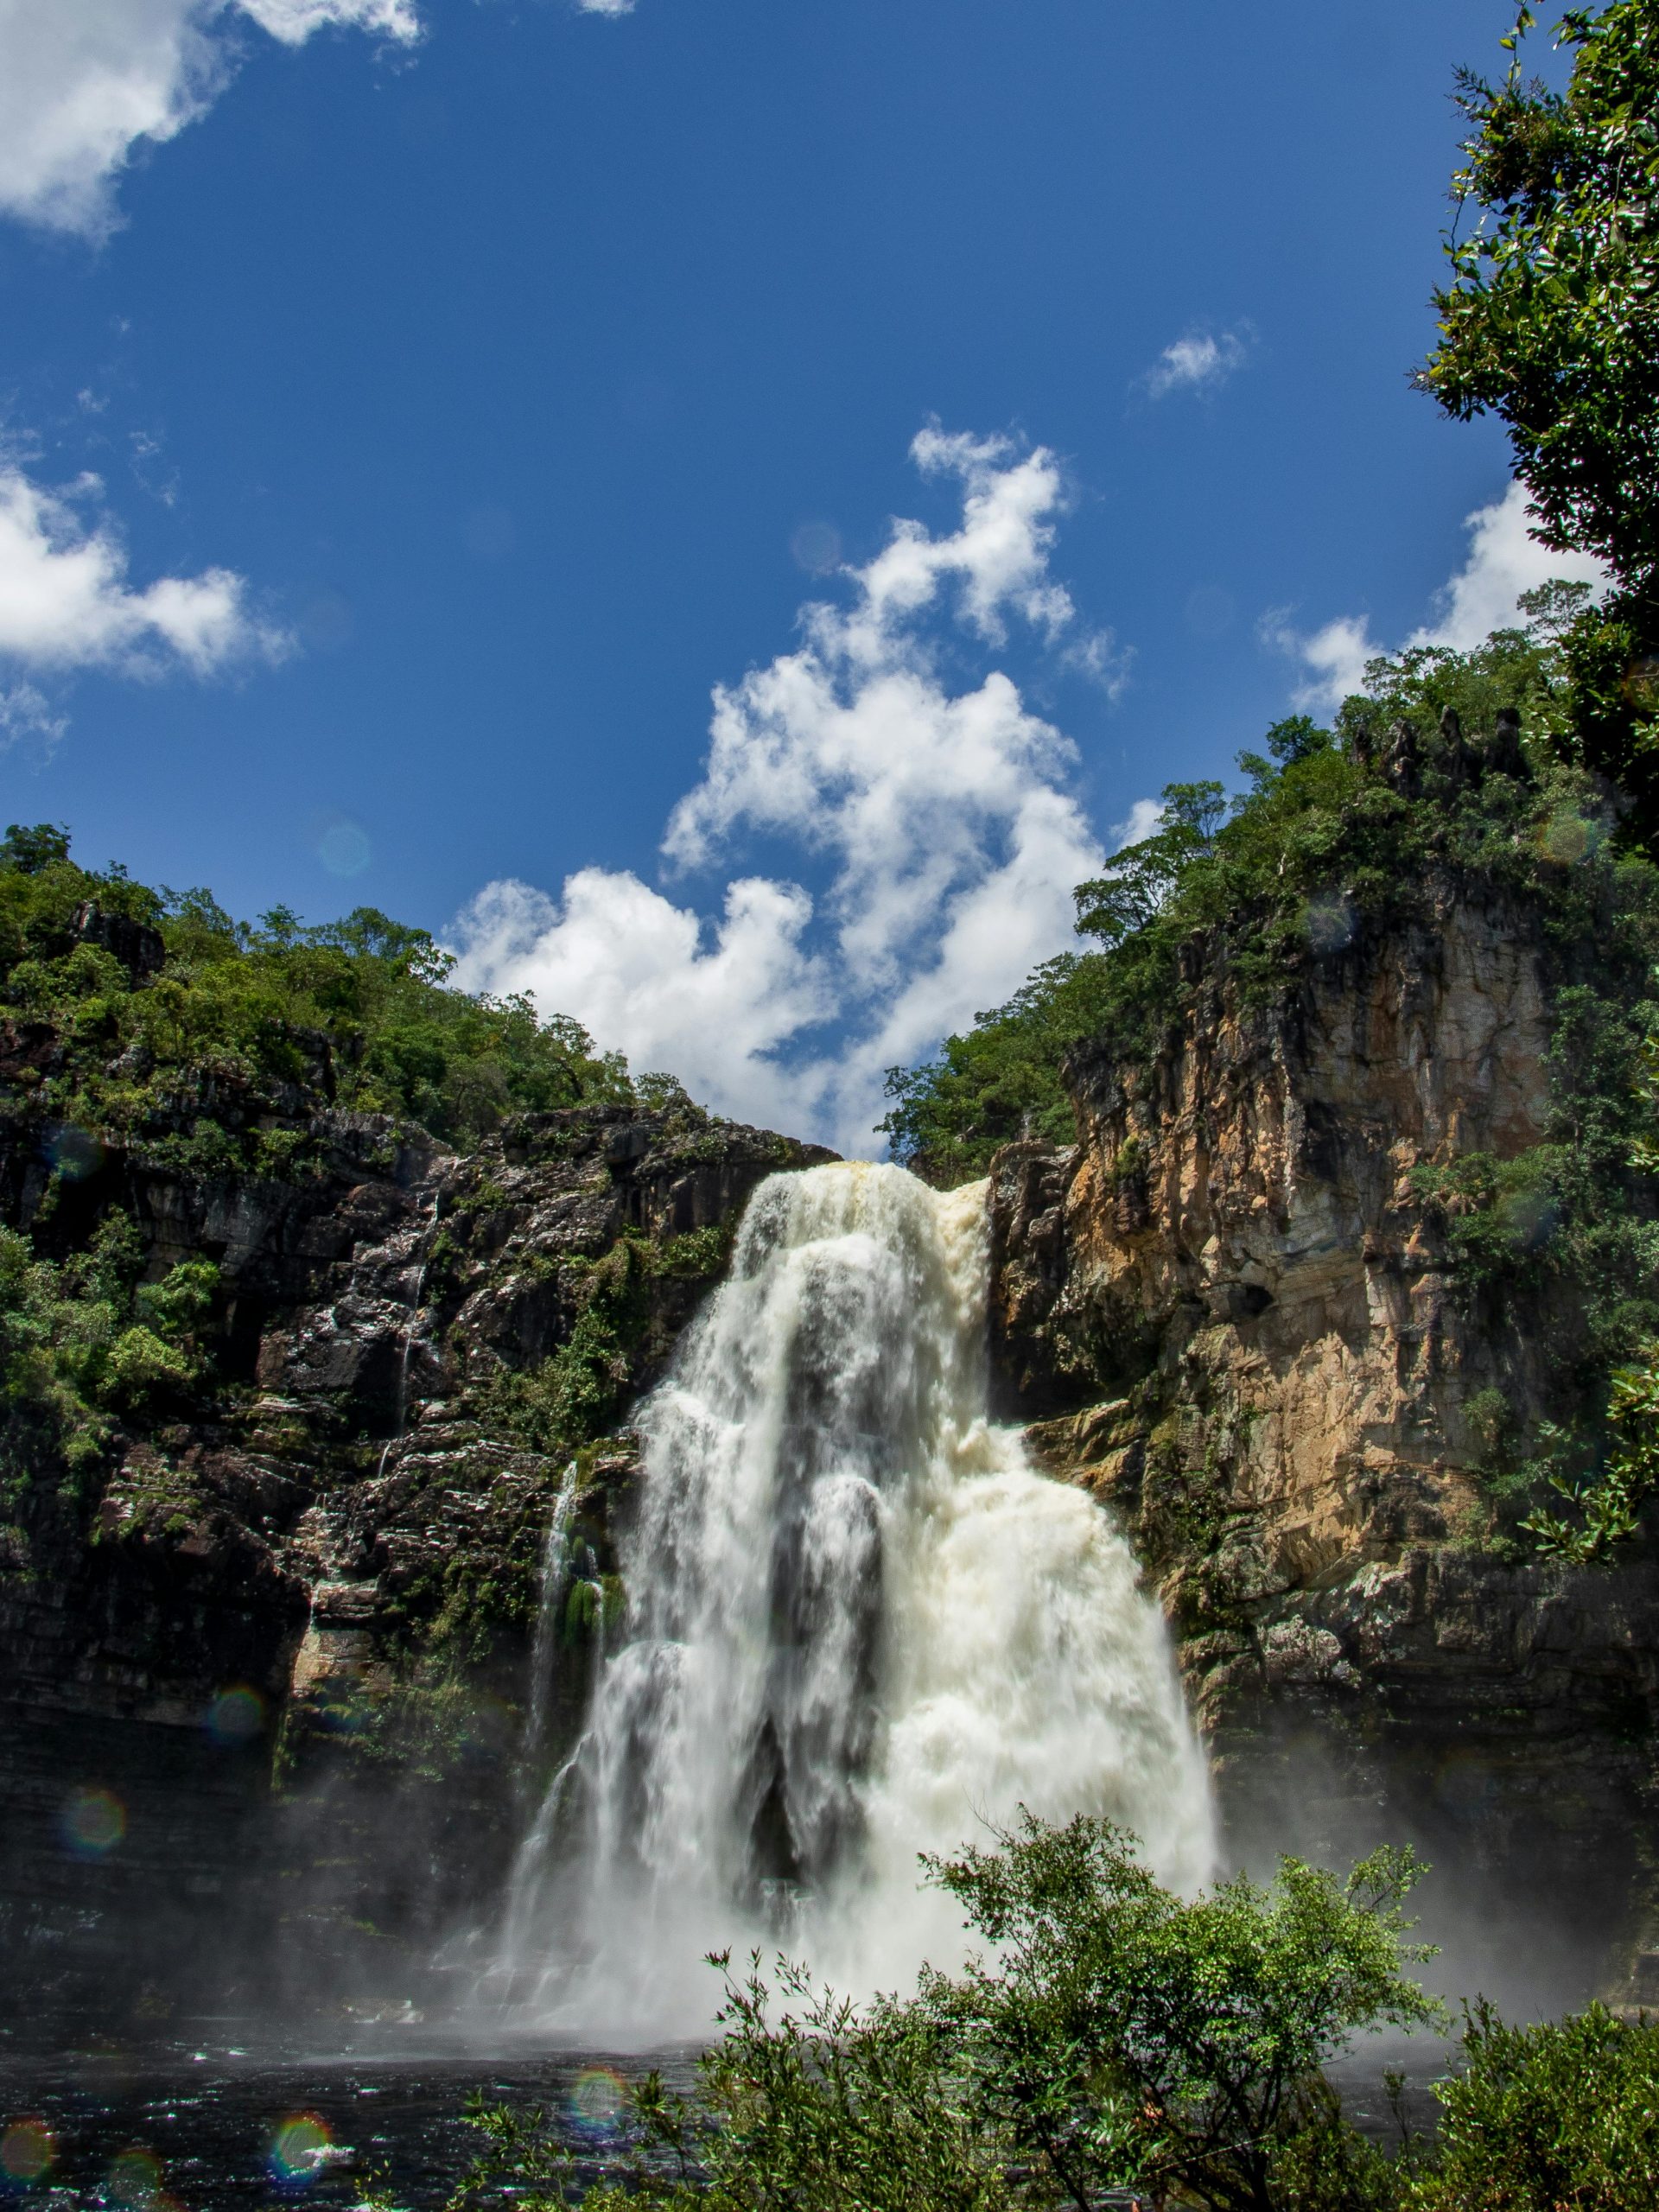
(215, 2124)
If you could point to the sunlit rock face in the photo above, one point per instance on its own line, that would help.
(262, 1670)
(1228, 1313)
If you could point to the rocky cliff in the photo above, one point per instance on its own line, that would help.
(264, 1657)
(1239, 1310)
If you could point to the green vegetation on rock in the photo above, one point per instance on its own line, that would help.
(151, 1018)
(1336, 831)
(83, 1340)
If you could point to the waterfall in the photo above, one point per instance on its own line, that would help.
(543, 1651)
(859, 1626)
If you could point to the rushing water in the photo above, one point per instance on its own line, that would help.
(543, 1651)
(860, 1627)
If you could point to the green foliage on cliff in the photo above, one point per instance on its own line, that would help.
(182, 1061)
(1551, 321)
(1334, 833)
(83, 1341)
(1000, 1079)
(573, 1396)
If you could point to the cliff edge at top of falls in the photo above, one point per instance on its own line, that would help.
(1241, 1309)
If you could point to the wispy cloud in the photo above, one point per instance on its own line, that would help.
(1200, 362)
(83, 83)
(1505, 561)
(29, 720)
(66, 602)
(939, 821)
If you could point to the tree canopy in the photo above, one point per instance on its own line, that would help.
(1551, 323)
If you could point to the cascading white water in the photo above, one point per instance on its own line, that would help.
(860, 1626)
(550, 1597)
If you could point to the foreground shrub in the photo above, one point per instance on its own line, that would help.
(1561, 2117)
(1119, 2038)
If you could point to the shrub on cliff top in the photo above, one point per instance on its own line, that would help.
(239, 1010)
(1551, 321)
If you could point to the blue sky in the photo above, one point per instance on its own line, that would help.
(400, 450)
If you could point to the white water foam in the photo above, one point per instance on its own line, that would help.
(860, 1626)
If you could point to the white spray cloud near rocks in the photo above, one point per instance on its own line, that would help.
(940, 818)
(1505, 561)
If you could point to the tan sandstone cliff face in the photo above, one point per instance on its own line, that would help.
(1229, 1303)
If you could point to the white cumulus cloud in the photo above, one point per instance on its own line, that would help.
(66, 602)
(83, 82)
(1505, 561)
(939, 817)
(1202, 361)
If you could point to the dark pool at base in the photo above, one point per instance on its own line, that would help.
(208, 2114)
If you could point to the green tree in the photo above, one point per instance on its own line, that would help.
(1558, 2117)
(1551, 323)
(1123, 2036)
(1117, 2036)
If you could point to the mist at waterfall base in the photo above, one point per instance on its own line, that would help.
(860, 1627)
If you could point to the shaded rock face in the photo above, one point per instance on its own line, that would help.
(287, 1637)
(1226, 1311)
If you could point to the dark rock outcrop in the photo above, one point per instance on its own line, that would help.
(262, 1665)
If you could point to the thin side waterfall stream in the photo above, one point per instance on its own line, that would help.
(859, 1626)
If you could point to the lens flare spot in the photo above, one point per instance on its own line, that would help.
(135, 2180)
(1329, 923)
(598, 2099)
(236, 1715)
(94, 1821)
(28, 2152)
(817, 547)
(300, 2148)
(76, 1152)
(343, 847)
(1565, 837)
